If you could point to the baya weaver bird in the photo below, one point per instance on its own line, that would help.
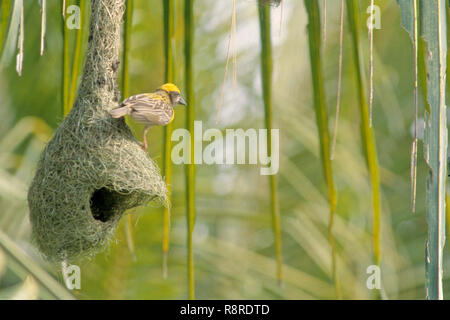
(151, 109)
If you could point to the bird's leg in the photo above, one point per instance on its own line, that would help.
(144, 146)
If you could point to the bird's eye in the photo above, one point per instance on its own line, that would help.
(174, 96)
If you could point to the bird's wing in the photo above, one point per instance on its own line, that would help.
(149, 107)
(143, 97)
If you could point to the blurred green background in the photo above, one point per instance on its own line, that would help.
(233, 238)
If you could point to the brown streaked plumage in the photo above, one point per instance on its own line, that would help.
(151, 109)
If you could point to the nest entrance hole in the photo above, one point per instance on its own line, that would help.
(105, 203)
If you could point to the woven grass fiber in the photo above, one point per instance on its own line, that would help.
(93, 169)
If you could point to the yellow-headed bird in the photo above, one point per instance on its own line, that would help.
(151, 109)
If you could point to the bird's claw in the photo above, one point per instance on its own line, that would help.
(143, 146)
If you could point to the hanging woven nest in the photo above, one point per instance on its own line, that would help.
(93, 169)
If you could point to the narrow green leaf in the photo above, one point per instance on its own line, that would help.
(407, 8)
(126, 48)
(10, 43)
(434, 32)
(266, 73)
(371, 29)
(128, 17)
(367, 132)
(168, 12)
(314, 35)
(324, 23)
(43, 24)
(21, 42)
(423, 70)
(409, 18)
(65, 77)
(78, 57)
(190, 168)
(339, 81)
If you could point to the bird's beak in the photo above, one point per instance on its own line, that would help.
(182, 101)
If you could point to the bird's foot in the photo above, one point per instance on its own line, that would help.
(143, 146)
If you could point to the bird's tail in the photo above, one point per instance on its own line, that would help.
(119, 112)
